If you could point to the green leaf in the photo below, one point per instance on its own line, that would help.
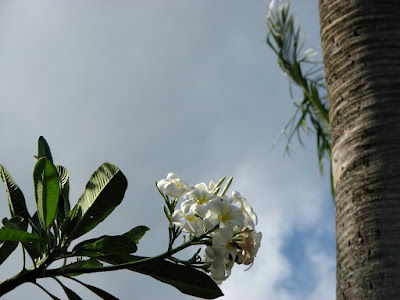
(37, 226)
(63, 207)
(46, 291)
(6, 248)
(89, 263)
(35, 250)
(136, 233)
(99, 292)
(44, 149)
(13, 223)
(104, 191)
(47, 190)
(186, 279)
(17, 222)
(70, 293)
(105, 245)
(19, 236)
(16, 200)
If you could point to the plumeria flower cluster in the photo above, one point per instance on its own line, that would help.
(225, 224)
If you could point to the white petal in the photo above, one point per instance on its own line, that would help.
(178, 217)
(216, 205)
(171, 190)
(161, 183)
(172, 176)
(226, 233)
(188, 205)
(201, 210)
(201, 186)
(211, 221)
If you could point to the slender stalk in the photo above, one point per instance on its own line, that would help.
(63, 272)
(40, 272)
(26, 275)
(18, 279)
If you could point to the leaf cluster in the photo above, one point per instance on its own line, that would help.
(46, 236)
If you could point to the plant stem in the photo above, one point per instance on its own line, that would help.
(25, 276)
(66, 271)
(18, 279)
(41, 272)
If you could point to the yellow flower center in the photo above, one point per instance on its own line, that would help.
(224, 218)
(202, 199)
(190, 218)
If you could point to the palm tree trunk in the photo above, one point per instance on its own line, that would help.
(361, 50)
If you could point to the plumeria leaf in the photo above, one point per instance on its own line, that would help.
(186, 279)
(99, 292)
(47, 190)
(47, 292)
(6, 248)
(37, 226)
(89, 263)
(16, 200)
(17, 222)
(105, 245)
(63, 206)
(136, 233)
(13, 223)
(104, 191)
(35, 250)
(19, 236)
(70, 293)
(44, 149)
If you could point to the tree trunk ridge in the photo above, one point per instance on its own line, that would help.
(361, 50)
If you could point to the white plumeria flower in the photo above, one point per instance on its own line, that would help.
(189, 222)
(250, 217)
(221, 254)
(216, 256)
(173, 185)
(248, 244)
(198, 199)
(230, 222)
(223, 212)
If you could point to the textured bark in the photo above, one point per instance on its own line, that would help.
(361, 49)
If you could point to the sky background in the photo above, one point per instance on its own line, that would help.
(166, 86)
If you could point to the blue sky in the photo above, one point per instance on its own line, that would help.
(183, 86)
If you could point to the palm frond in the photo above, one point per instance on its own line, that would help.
(311, 114)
